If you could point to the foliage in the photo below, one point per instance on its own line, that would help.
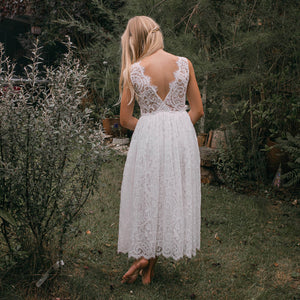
(291, 145)
(94, 27)
(244, 55)
(49, 156)
(245, 58)
(276, 117)
(11, 8)
(230, 165)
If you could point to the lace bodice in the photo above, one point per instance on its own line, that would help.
(146, 93)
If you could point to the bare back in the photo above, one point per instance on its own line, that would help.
(160, 82)
(160, 67)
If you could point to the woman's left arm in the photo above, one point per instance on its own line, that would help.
(194, 96)
(126, 111)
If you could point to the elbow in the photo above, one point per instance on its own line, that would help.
(123, 122)
(199, 114)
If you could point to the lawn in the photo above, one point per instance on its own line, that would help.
(250, 250)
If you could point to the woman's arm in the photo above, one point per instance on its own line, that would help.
(194, 97)
(126, 111)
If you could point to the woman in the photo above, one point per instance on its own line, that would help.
(161, 192)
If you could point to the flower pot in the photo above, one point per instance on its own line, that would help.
(111, 126)
(275, 157)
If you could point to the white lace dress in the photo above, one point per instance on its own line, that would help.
(161, 187)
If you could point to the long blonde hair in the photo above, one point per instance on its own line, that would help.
(141, 38)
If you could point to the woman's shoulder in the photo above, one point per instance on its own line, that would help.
(134, 66)
(162, 58)
(176, 57)
(187, 62)
(184, 58)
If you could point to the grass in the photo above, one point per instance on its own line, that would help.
(250, 250)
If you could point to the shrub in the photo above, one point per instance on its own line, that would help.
(291, 145)
(230, 164)
(235, 165)
(50, 156)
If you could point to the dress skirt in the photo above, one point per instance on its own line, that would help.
(160, 210)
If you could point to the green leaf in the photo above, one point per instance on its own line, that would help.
(7, 217)
(295, 275)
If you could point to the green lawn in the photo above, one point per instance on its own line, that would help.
(250, 250)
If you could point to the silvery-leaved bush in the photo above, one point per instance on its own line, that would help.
(50, 155)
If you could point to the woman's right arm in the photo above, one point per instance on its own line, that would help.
(194, 97)
(126, 110)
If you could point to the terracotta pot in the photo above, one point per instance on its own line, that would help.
(275, 157)
(112, 127)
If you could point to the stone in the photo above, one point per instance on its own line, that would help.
(120, 141)
(207, 175)
(208, 156)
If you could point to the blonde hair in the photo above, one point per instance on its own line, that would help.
(141, 38)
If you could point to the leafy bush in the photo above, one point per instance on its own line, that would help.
(95, 27)
(230, 164)
(236, 164)
(50, 156)
(291, 145)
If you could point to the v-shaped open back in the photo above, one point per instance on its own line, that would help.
(155, 86)
(147, 89)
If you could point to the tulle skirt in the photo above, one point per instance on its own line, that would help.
(160, 210)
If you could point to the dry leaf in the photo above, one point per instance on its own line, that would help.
(276, 264)
(217, 238)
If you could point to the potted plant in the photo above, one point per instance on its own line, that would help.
(111, 124)
(119, 134)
